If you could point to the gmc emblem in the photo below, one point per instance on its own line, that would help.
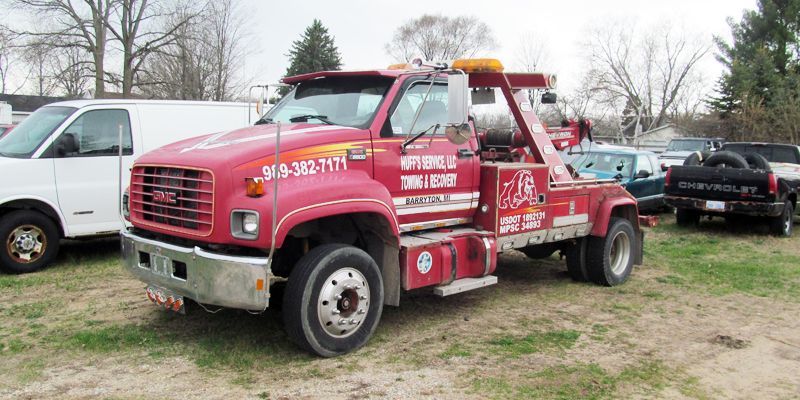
(165, 197)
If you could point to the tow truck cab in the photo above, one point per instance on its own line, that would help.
(359, 185)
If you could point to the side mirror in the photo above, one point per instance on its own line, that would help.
(642, 175)
(457, 104)
(66, 144)
(458, 135)
(549, 98)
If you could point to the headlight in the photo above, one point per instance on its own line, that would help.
(244, 224)
(250, 223)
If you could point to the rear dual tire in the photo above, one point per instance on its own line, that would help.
(687, 218)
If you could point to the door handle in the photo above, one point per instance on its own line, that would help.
(464, 153)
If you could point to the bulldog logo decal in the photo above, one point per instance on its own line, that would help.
(519, 190)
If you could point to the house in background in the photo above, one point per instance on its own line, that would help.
(657, 139)
(22, 105)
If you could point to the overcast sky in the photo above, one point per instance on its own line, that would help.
(362, 28)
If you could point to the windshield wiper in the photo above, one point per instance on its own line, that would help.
(417, 136)
(305, 118)
(263, 120)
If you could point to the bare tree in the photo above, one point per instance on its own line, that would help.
(71, 71)
(438, 37)
(82, 24)
(38, 58)
(647, 75)
(5, 59)
(531, 53)
(138, 37)
(204, 60)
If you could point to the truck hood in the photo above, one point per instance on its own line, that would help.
(250, 145)
(675, 154)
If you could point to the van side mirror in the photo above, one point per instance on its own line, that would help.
(66, 144)
(642, 174)
(549, 98)
(457, 104)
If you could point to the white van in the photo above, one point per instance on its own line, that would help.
(60, 168)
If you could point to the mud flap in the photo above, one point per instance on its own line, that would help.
(639, 250)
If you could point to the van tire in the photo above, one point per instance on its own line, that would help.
(576, 260)
(783, 225)
(609, 259)
(313, 315)
(30, 241)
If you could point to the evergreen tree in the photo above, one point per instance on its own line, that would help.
(758, 94)
(315, 51)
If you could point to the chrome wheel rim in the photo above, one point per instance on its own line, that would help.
(343, 302)
(26, 244)
(620, 252)
(787, 224)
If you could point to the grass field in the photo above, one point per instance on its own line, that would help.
(701, 319)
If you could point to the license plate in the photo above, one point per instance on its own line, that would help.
(161, 265)
(166, 298)
(715, 205)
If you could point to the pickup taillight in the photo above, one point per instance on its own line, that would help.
(773, 183)
(666, 176)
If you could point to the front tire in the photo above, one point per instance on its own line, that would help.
(783, 225)
(609, 259)
(30, 242)
(576, 260)
(333, 300)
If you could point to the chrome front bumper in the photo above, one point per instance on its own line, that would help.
(205, 277)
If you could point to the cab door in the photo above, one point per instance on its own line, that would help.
(433, 182)
(87, 168)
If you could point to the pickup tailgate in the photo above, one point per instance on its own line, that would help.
(724, 184)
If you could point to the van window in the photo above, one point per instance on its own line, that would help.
(433, 112)
(96, 133)
(23, 140)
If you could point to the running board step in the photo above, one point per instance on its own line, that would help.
(464, 285)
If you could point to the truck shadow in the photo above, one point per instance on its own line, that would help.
(237, 338)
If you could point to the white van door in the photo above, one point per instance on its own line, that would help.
(86, 160)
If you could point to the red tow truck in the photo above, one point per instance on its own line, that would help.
(360, 185)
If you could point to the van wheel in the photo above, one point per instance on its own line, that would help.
(609, 259)
(333, 300)
(30, 242)
(783, 225)
(687, 218)
(576, 260)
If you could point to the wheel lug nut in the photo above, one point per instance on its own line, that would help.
(338, 297)
(357, 287)
(335, 311)
(363, 297)
(361, 311)
(352, 322)
(342, 321)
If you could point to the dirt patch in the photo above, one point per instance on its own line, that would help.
(85, 330)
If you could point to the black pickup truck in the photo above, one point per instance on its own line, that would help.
(755, 179)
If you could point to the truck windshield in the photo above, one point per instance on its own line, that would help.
(686, 145)
(342, 100)
(605, 162)
(23, 140)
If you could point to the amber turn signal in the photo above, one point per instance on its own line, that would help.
(255, 187)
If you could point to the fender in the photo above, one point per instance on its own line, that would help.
(357, 193)
(605, 211)
(54, 209)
